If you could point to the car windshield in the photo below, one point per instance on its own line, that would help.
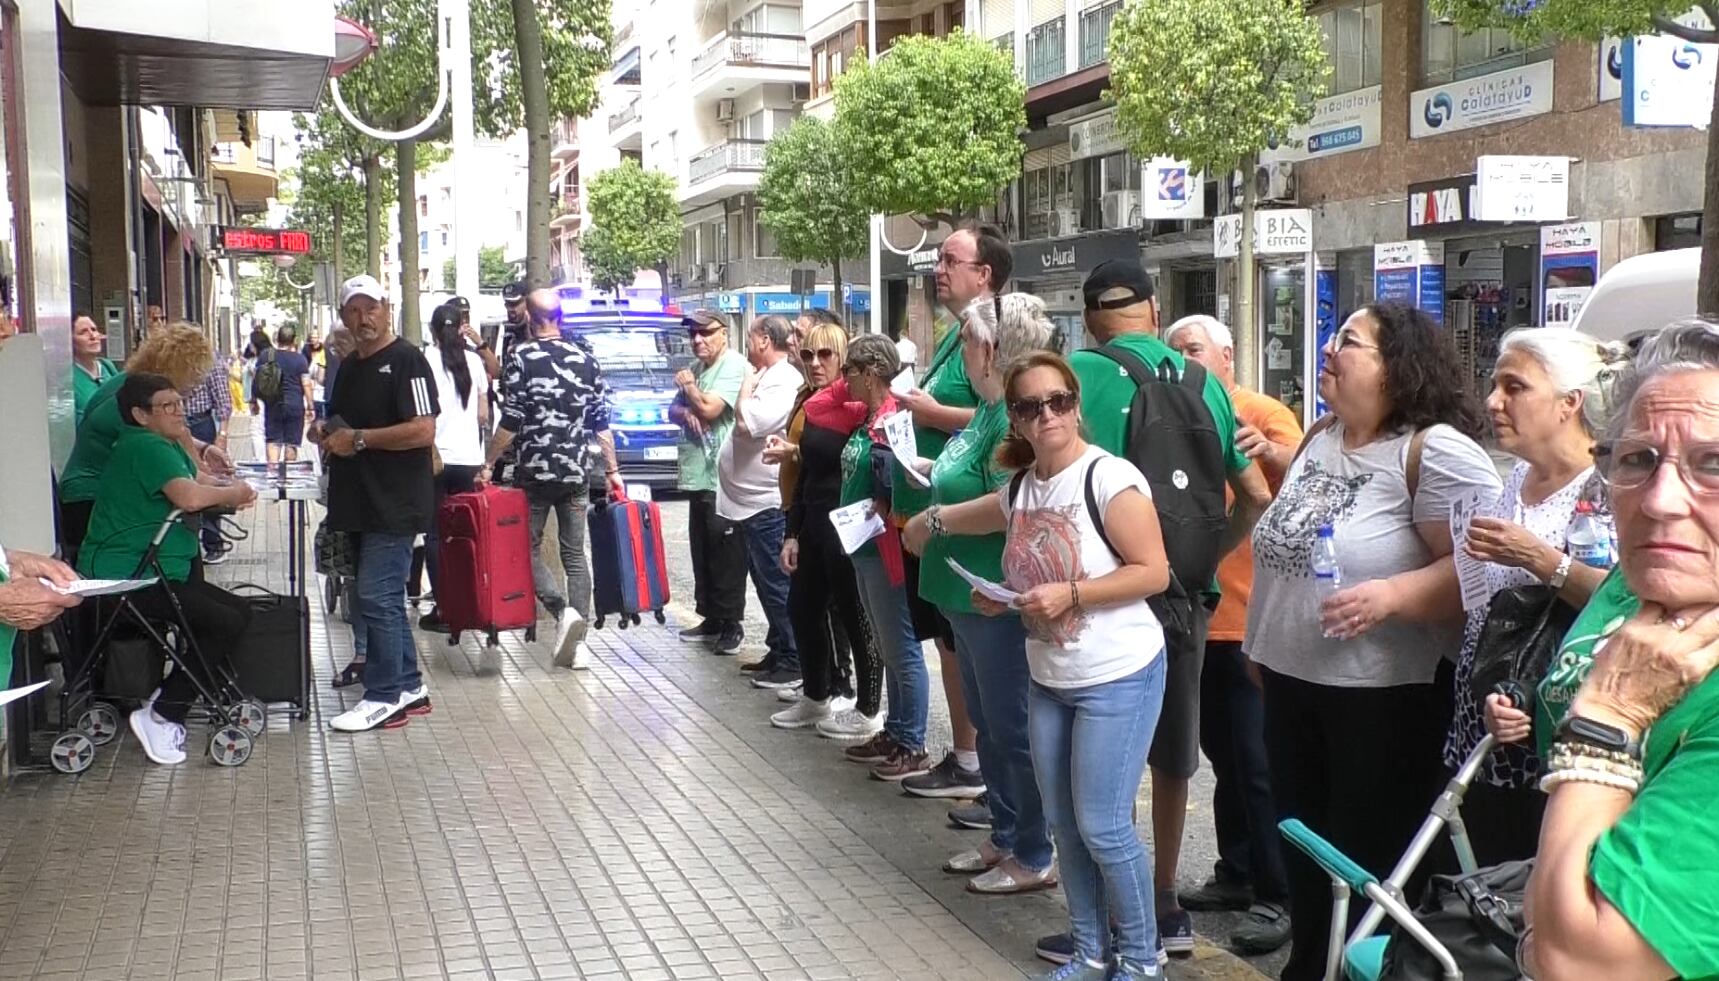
(638, 356)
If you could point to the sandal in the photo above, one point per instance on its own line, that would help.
(981, 859)
(1010, 877)
(350, 675)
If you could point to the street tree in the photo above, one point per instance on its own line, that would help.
(809, 196)
(1594, 20)
(537, 61)
(610, 270)
(934, 127)
(1214, 83)
(342, 171)
(635, 221)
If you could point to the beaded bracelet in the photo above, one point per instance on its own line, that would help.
(934, 521)
(1558, 778)
(1591, 751)
(1570, 758)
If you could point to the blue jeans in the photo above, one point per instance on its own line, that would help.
(203, 428)
(992, 652)
(907, 684)
(390, 654)
(764, 558)
(1089, 746)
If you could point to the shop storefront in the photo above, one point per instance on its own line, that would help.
(1276, 354)
(1053, 270)
(910, 293)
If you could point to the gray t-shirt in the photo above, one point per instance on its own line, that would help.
(1364, 495)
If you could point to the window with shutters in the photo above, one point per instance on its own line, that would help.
(997, 17)
(1352, 44)
(1095, 30)
(832, 56)
(1046, 55)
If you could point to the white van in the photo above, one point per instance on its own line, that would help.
(1641, 294)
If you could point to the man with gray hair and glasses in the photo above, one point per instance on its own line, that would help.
(747, 491)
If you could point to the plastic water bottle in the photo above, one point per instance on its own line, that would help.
(1327, 573)
(1588, 539)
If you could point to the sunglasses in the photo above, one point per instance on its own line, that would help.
(807, 354)
(1029, 409)
(702, 331)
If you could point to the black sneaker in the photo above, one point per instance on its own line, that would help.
(1218, 894)
(215, 556)
(763, 665)
(974, 817)
(432, 621)
(1176, 933)
(1058, 948)
(1262, 930)
(729, 641)
(779, 678)
(946, 779)
(704, 632)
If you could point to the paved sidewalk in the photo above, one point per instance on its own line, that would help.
(640, 820)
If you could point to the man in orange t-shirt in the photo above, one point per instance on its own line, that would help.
(1249, 874)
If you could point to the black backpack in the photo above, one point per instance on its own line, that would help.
(1174, 441)
(267, 384)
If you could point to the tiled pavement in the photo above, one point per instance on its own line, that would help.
(640, 820)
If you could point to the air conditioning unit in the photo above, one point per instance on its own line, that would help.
(1274, 181)
(724, 110)
(1064, 222)
(802, 92)
(1121, 209)
(712, 272)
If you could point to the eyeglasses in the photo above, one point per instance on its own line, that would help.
(1028, 409)
(173, 408)
(702, 331)
(1346, 339)
(1625, 464)
(822, 353)
(949, 262)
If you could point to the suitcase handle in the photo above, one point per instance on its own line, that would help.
(506, 520)
(510, 597)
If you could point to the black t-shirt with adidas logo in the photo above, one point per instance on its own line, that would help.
(386, 491)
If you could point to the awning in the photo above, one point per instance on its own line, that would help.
(239, 54)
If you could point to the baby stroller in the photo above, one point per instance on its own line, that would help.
(1362, 956)
(237, 719)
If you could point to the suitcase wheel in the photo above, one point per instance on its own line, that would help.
(599, 623)
(531, 633)
(636, 620)
(660, 618)
(623, 622)
(492, 640)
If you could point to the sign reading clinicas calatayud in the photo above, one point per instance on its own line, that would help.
(261, 241)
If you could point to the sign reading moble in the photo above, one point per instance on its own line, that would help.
(261, 241)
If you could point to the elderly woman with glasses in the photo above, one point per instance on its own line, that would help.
(1626, 879)
(1357, 685)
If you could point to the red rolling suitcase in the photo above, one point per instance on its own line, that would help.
(486, 563)
(629, 574)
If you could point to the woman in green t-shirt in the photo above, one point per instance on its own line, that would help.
(1626, 880)
(991, 651)
(89, 368)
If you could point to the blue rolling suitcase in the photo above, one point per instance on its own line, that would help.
(629, 574)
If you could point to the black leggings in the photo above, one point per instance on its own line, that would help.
(217, 618)
(823, 601)
(454, 479)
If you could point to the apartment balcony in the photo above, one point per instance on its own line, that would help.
(1046, 56)
(1095, 33)
(564, 210)
(735, 62)
(625, 128)
(728, 168)
(564, 138)
(248, 170)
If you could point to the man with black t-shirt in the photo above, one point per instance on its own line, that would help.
(381, 424)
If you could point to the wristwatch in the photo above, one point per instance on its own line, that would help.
(358, 443)
(1562, 575)
(1599, 735)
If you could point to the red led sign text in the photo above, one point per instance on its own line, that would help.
(263, 240)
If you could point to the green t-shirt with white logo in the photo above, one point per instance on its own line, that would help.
(966, 469)
(946, 381)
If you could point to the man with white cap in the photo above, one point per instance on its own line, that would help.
(381, 423)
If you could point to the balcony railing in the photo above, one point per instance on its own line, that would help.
(1046, 56)
(564, 133)
(728, 155)
(564, 204)
(262, 153)
(753, 50)
(1095, 33)
(224, 153)
(628, 115)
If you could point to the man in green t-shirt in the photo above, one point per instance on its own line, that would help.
(148, 477)
(1121, 311)
(704, 409)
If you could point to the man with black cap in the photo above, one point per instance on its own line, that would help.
(518, 317)
(1122, 313)
(704, 409)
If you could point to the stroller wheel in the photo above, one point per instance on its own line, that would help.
(100, 722)
(230, 746)
(73, 752)
(251, 716)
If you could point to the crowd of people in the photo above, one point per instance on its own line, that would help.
(1117, 556)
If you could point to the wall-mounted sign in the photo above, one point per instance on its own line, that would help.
(1611, 69)
(1280, 231)
(730, 302)
(1034, 260)
(1513, 94)
(1094, 136)
(1519, 188)
(1340, 123)
(793, 303)
(1668, 81)
(1569, 265)
(1171, 190)
(1411, 273)
(261, 241)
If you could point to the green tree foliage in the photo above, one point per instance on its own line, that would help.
(810, 197)
(933, 126)
(335, 163)
(494, 271)
(1592, 20)
(1214, 82)
(635, 222)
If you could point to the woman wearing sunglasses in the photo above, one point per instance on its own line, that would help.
(1084, 552)
(991, 651)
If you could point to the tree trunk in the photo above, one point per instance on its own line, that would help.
(1707, 290)
(836, 303)
(373, 215)
(662, 269)
(406, 162)
(534, 95)
(1241, 315)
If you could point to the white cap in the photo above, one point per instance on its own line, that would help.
(361, 286)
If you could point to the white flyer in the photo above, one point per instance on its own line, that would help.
(898, 429)
(99, 587)
(985, 587)
(857, 524)
(1471, 572)
(11, 695)
(903, 383)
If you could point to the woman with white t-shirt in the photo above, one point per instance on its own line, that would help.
(1094, 649)
(459, 428)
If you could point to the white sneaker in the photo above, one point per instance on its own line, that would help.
(162, 741)
(416, 701)
(789, 695)
(851, 724)
(569, 630)
(367, 715)
(582, 657)
(801, 714)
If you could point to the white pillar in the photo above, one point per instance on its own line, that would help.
(465, 173)
(876, 225)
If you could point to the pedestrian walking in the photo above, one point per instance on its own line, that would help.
(282, 394)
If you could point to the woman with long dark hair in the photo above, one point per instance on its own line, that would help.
(459, 428)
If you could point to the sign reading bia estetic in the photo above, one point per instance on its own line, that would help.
(1518, 188)
(1569, 266)
(1280, 231)
(1411, 273)
(1668, 81)
(1340, 123)
(1513, 94)
(1171, 191)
